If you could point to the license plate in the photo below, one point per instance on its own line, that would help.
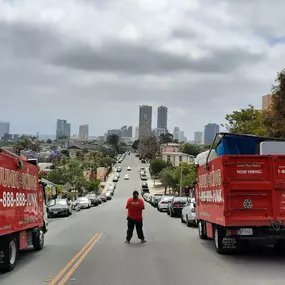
(246, 232)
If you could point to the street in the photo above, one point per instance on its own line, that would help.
(172, 255)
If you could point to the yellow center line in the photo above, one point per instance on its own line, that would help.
(79, 261)
(69, 264)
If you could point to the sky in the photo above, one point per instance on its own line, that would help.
(95, 61)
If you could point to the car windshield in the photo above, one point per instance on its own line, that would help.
(180, 199)
(83, 199)
(59, 202)
(91, 196)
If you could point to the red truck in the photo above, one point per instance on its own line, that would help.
(240, 192)
(23, 212)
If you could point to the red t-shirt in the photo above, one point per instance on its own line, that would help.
(135, 208)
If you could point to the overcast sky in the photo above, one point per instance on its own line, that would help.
(96, 61)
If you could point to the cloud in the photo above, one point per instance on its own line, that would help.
(95, 62)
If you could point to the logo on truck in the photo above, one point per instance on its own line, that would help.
(247, 204)
(208, 180)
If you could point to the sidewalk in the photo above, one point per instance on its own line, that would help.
(104, 185)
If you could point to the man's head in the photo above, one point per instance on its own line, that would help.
(135, 194)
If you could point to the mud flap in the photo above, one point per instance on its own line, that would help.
(225, 244)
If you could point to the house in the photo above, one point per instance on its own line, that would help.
(170, 147)
(177, 157)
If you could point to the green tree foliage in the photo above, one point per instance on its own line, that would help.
(49, 141)
(65, 152)
(246, 121)
(93, 186)
(113, 140)
(274, 118)
(149, 148)
(166, 138)
(191, 149)
(167, 178)
(136, 144)
(188, 174)
(26, 143)
(157, 165)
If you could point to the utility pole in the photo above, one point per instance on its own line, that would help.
(180, 180)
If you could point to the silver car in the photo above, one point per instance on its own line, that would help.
(188, 214)
(84, 203)
(163, 203)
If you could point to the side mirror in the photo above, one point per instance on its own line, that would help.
(52, 203)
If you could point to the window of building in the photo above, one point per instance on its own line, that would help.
(180, 158)
(168, 158)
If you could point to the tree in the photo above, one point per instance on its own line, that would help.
(166, 138)
(246, 121)
(65, 152)
(93, 185)
(113, 140)
(149, 148)
(191, 149)
(49, 141)
(274, 118)
(157, 165)
(167, 178)
(136, 144)
(188, 174)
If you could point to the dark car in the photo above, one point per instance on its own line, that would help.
(62, 208)
(176, 205)
(156, 200)
(93, 198)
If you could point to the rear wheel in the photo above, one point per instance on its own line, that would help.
(187, 222)
(181, 218)
(8, 253)
(171, 214)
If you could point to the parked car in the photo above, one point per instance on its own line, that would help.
(93, 198)
(103, 198)
(156, 200)
(108, 195)
(119, 169)
(115, 178)
(84, 203)
(110, 190)
(188, 214)
(62, 208)
(163, 203)
(176, 205)
(143, 177)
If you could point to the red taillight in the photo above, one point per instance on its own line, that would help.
(163, 202)
(193, 210)
(176, 205)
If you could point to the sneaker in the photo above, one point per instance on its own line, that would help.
(127, 241)
(143, 241)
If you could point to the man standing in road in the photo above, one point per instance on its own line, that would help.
(135, 206)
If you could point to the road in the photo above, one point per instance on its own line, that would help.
(173, 254)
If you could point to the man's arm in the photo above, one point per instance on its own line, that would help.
(142, 204)
(128, 202)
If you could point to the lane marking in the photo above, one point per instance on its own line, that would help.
(79, 261)
(69, 264)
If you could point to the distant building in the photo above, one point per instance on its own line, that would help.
(137, 133)
(145, 120)
(84, 132)
(178, 157)
(210, 132)
(4, 128)
(266, 102)
(198, 137)
(159, 131)
(162, 117)
(176, 133)
(62, 129)
(127, 132)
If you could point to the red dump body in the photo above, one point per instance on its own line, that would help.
(242, 190)
(21, 196)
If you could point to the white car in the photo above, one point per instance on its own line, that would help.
(129, 168)
(163, 203)
(84, 203)
(126, 177)
(188, 214)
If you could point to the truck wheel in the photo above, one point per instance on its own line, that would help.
(219, 235)
(279, 246)
(38, 239)
(202, 230)
(8, 253)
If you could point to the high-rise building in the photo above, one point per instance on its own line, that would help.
(137, 133)
(145, 118)
(62, 129)
(266, 102)
(4, 128)
(162, 117)
(129, 132)
(198, 137)
(210, 132)
(84, 132)
(176, 133)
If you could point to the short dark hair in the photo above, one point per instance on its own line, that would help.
(135, 193)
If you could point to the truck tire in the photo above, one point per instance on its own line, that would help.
(8, 253)
(218, 238)
(202, 230)
(38, 239)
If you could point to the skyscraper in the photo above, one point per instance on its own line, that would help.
(198, 137)
(162, 117)
(84, 132)
(145, 118)
(210, 132)
(62, 129)
(4, 128)
(176, 132)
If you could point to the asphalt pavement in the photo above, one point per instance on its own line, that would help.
(88, 248)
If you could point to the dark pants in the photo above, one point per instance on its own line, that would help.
(131, 226)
